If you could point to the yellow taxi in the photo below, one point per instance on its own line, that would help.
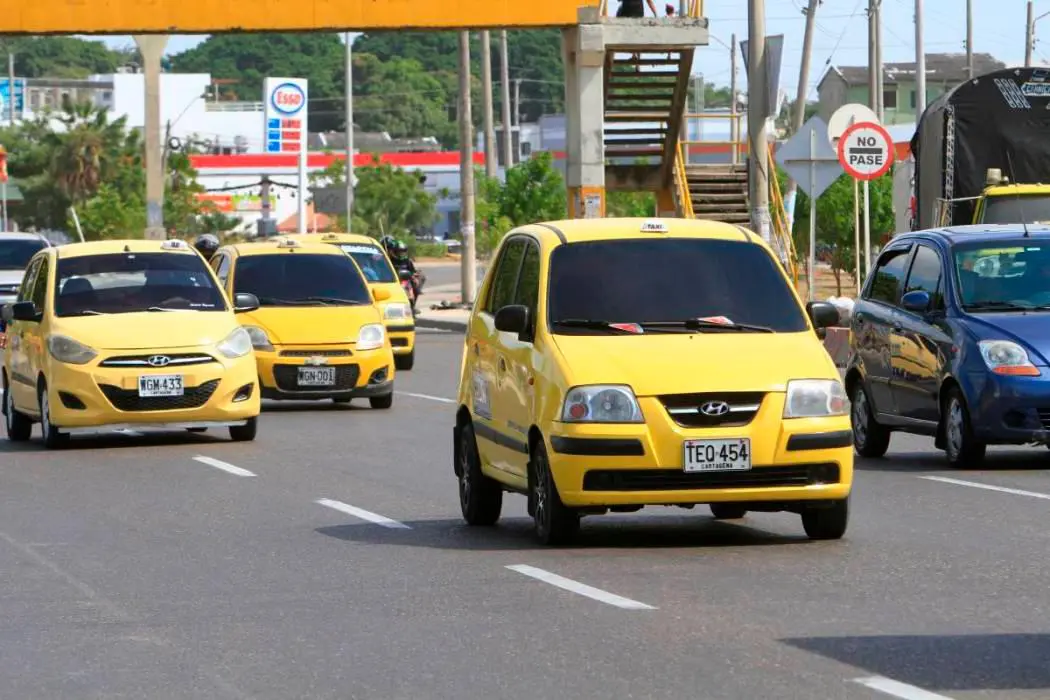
(121, 334)
(318, 332)
(612, 364)
(379, 272)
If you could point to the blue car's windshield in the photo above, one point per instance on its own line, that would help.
(1004, 276)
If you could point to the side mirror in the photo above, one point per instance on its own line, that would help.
(917, 302)
(822, 314)
(24, 311)
(404, 275)
(243, 302)
(380, 294)
(513, 319)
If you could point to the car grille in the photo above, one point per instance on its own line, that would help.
(129, 399)
(684, 409)
(678, 480)
(174, 360)
(287, 378)
(315, 353)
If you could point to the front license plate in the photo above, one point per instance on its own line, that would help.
(160, 385)
(316, 376)
(717, 455)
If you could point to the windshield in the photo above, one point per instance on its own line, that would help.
(117, 283)
(1015, 209)
(1005, 276)
(646, 280)
(15, 254)
(372, 261)
(296, 279)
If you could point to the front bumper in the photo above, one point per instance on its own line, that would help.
(402, 336)
(1009, 410)
(793, 460)
(358, 374)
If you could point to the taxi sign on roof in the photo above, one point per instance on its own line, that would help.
(654, 227)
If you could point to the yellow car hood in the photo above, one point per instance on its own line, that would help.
(686, 363)
(311, 325)
(149, 330)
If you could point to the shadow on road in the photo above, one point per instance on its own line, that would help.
(113, 441)
(939, 663)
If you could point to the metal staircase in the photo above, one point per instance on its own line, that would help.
(719, 193)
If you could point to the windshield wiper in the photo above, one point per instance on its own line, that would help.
(164, 308)
(336, 300)
(594, 324)
(274, 301)
(997, 306)
(85, 312)
(697, 324)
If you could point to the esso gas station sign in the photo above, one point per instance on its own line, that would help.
(288, 98)
(285, 102)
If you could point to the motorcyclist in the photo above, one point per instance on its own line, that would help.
(206, 244)
(398, 253)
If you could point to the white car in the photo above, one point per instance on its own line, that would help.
(15, 251)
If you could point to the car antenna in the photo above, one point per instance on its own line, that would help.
(1020, 199)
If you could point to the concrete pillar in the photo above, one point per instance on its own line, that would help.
(151, 46)
(584, 52)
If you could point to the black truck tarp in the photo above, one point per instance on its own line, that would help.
(998, 120)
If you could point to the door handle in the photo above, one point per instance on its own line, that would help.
(502, 365)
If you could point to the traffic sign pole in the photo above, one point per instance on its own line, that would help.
(867, 230)
(812, 215)
(856, 233)
(866, 153)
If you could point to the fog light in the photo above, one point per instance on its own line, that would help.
(244, 393)
(379, 376)
(71, 401)
(824, 473)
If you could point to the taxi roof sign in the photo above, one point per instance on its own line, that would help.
(174, 244)
(654, 227)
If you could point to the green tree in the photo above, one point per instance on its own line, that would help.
(533, 190)
(391, 201)
(60, 56)
(399, 96)
(634, 204)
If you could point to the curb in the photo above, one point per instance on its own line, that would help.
(441, 324)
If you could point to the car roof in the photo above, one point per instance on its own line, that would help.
(1017, 189)
(337, 238)
(76, 250)
(284, 245)
(23, 236)
(984, 233)
(626, 228)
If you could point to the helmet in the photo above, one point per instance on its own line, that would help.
(400, 248)
(207, 244)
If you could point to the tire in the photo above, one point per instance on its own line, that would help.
(51, 437)
(870, 439)
(480, 497)
(382, 402)
(553, 522)
(405, 362)
(827, 523)
(727, 511)
(19, 426)
(246, 432)
(960, 446)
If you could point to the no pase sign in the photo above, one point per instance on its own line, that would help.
(866, 151)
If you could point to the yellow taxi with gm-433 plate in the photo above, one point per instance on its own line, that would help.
(612, 364)
(318, 332)
(126, 334)
(398, 318)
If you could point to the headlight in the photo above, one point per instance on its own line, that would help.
(814, 398)
(65, 349)
(1007, 357)
(396, 312)
(601, 404)
(237, 344)
(260, 341)
(371, 337)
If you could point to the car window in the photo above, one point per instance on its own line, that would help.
(675, 280)
(222, 271)
(888, 276)
(528, 291)
(114, 283)
(502, 292)
(1004, 275)
(26, 288)
(925, 275)
(15, 253)
(372, 261)
(39, 297)
(300, 279)
(1013, 208)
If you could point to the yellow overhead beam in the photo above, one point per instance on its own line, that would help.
(215, 16)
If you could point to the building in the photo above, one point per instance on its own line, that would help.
(849, 84)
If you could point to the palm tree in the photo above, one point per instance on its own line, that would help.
(90, 150)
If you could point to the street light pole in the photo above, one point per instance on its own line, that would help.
(349, 132)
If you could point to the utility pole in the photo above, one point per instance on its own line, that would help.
(880, 92)
(757, 117)
(969, 38)
(468, 270)
(504, 78)
(800, 98)
(920, 65)
(1029, 40)
(151, 47)
(11, 85)
(517, 102)
(491, 164)
(349, 132)
(873, 81)
(734, 124)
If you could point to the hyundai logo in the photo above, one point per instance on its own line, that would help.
(715, 408)
(159, 361)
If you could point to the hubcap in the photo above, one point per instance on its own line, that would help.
(540, 489)
(955, 428)
(45, 415)
(860, 417)
(9, 409)
(464, 473)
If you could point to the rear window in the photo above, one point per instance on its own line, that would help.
(1013, 209)
(297, 279)
(646, 280)
(16, 253)
(372, 261)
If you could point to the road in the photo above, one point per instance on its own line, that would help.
(327, 560)
(442, 274)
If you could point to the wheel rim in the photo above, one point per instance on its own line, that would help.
(954, 429)
(45, 415)
(9, 409)
(540, 493)
(464, 473)
(860, 418)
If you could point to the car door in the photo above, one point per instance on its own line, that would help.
(874, 318)
(923, 339)
(23, 387)
(35, 337)
(498, 445)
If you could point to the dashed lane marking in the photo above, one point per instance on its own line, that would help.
(362, 514)
(580, 588)
(897, 689)
(428, 397)
(988, 487)
(224, 466)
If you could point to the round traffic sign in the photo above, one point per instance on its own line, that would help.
(866, 151)
(846, 116)
(288, 98)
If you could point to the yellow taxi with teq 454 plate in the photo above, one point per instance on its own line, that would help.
(612, 364)
(398, 318)
(126, 334)
(318, 332)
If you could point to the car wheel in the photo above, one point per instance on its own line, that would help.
(405, 362)
(53, 439)
(480, 497)
(960, 445)
(826, 523)
(382, 402)
(553, 521)
(246, 432)
(19, 426)
(728, 511)
(870, 439)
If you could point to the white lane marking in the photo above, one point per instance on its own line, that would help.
(428, 397)
(987, 487)
(362, 514)
(580, 588)
(897, 689)
(225, 466)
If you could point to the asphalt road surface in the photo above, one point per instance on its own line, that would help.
(327, 560)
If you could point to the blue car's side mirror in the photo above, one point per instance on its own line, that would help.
(917, 302)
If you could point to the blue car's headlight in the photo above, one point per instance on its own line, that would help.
(1008, 358)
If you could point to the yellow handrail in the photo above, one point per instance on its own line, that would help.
(685, 199)
(780, 225)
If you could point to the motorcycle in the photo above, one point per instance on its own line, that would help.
(412, 284)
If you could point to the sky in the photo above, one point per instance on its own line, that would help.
(841, 34)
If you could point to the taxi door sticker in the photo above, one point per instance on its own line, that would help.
(480, 393)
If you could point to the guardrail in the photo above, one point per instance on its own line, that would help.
(685, 198)
(686, 8)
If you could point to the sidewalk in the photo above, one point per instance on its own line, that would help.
(454, 319)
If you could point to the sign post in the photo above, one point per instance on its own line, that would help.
(3, 189)
(844, 117)
(866, 153)
(285, 108)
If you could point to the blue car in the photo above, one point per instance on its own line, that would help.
(951, 339)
